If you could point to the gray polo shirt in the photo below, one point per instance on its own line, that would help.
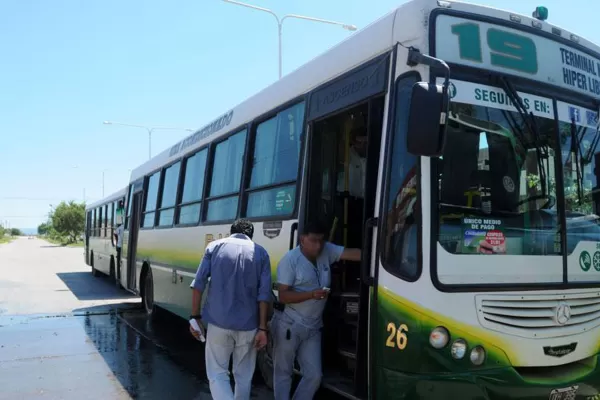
(301, 275)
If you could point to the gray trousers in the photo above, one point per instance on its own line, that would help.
(300, 343)
(221, 345)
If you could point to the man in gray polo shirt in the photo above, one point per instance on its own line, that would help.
(303, 274)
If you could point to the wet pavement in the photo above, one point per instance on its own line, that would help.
(67, 335)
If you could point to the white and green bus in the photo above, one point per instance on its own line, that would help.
(478, 218)
(102, 218)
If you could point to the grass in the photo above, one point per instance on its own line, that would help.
(6, 239)
(63, 242)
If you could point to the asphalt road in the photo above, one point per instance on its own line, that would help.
(67, 335)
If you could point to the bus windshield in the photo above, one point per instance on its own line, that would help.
(581, 169)
(496, 182)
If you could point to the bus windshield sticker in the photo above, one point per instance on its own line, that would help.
(495, 97)
(283, 201)
(483, 236)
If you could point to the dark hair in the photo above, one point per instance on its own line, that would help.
(244, 226)
(314, 227)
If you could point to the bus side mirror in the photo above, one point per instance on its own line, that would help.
(427, 119)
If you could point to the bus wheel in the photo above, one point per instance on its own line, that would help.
(265, 362)
(149, 293)
(112, 270)
(95, 272)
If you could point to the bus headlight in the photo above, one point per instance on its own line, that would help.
(477, 355)
(458, 349)
(439, 337)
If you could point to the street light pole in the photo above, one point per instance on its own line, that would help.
(149, 143)
(280, 21)
(149, 129)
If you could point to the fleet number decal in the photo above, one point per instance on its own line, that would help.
(506, 49)
(397, 336)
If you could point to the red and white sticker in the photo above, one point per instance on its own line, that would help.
(495, 238)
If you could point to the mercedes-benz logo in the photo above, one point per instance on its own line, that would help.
(563, 313)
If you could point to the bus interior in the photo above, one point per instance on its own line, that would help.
(342, 180)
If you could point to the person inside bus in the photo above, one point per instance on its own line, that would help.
(303, 278)
(236, 308)
(353, 195)
(357, 164)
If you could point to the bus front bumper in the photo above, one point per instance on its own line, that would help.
(495, 384)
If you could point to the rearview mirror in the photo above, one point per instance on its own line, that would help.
(427, 119)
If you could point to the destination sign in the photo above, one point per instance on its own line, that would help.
(511, 51)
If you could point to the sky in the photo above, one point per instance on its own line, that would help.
(69, 65)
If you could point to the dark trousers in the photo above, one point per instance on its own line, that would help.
(118, 263)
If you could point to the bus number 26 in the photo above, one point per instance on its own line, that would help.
(397, 336)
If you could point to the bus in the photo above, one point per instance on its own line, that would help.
(476, 211)
(101, 219)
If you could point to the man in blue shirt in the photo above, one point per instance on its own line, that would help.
(303, 278)
(236, 308)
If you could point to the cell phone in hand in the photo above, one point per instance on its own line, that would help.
(327, 289)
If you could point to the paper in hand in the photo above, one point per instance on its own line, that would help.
(196, 328)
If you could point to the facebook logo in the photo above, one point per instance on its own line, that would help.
(574, 114)
(591, 117)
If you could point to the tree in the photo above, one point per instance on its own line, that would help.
(44, 228)
(68, 220)
(16, 232)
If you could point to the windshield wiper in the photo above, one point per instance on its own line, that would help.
(530, 121)
(592, 150)
(576, 149)
(577, 135)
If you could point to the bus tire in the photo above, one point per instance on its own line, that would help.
(95, 272)
(112, 270)
(264, 360)
(148, 294)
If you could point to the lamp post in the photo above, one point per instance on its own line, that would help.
(149, 129)
(280, 21)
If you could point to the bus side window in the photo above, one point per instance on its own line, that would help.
(275, 164)
(168, 195)
(193, 186)
(151, 200)
(402, 211)
(226, 178)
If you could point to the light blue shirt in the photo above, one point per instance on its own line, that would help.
(240, 277)
(296, 271)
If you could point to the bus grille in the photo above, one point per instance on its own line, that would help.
(539, 316)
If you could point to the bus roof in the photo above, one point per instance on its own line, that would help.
(113, 197)
(408, 24)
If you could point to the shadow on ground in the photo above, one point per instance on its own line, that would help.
(87, 287)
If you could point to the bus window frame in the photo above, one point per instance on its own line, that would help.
(207, 182)
(111, 205)
(181, 186)
(100, 221)
(93, 227)
(105, 224)
(163, 176)
(145, 199)
(554, 94)
(250, 146)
